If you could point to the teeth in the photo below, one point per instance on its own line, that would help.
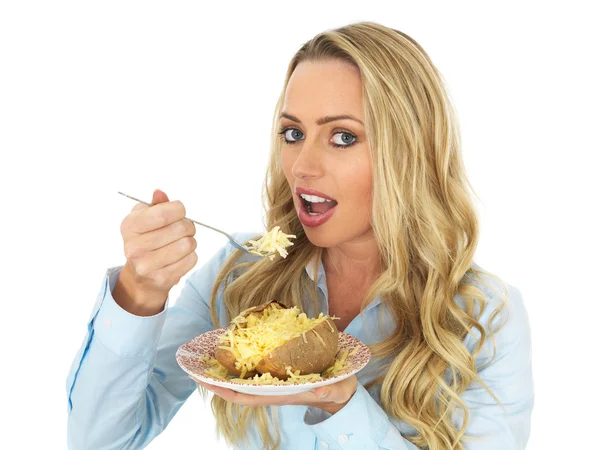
(314, 198)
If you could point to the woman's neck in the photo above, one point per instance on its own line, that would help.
(357, 260)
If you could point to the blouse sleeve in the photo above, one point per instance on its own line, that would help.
(363, 424)
(360, 424)
(125, 385)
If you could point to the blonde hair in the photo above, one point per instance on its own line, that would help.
(427, 230)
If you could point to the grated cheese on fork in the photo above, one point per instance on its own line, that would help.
(274, 241)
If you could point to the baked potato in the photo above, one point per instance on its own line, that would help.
(226, 357)
(271, 338)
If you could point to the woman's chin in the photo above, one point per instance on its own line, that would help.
(322, 236)
(330, 235)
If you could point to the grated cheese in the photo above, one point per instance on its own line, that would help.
(274, 241)
(255, 334)
(319, 337)
(339, 365)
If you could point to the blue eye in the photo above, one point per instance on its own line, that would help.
(293, 135)
(347, 139)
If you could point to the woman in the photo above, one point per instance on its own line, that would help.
(365, 122)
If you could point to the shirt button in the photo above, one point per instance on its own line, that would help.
(342, 438)
(107, 323)
(324, 444)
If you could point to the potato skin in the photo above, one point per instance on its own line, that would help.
(307, 357)
(259, 308)
(227, 360)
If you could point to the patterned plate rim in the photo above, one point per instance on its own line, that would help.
(183, 352)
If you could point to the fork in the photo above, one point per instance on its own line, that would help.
(235, 243)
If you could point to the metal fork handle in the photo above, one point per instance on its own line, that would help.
(235, 243)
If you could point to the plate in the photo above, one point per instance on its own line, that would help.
(188, 357)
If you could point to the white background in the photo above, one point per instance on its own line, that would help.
(100, 97)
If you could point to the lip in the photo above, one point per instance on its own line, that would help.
(300, 190)
(314, 221)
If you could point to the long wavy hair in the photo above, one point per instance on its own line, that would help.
(426, 227)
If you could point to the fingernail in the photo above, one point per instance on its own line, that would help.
(323, 394)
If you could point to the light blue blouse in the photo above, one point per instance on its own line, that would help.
(125, 386)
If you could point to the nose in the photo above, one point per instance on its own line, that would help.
(308, 164)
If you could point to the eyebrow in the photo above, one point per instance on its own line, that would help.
(322, 120)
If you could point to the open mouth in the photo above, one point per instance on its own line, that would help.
(315, 205)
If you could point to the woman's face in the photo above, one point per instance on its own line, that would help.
(326, 157)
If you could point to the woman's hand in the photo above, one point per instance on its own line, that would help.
(330, 398)
(159, 246)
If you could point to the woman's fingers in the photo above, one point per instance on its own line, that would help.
(161, 237)
(339, 392)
